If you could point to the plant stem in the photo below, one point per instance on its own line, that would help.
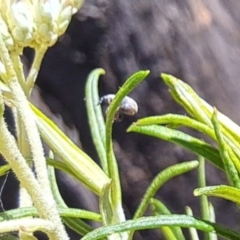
(39, 190)
(46, 206)
(39, 54)
(24, 147)
(22, 139)
(18, 67)
(27, 118)
(27, 224)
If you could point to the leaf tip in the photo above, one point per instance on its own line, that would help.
(100, 71)
(145, 73)
(168, 79)
(196, 192)
(130, 128)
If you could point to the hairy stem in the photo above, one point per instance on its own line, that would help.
(46, 207)
(18, 67)
(39, 190)
(39, 54)
(27, 225)
(27, 117)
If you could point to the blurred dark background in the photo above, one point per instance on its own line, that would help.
(197, 41)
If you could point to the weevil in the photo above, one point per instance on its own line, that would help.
(128, 106)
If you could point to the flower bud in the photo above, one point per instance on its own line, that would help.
(44, 19)
(35, 22)
(6, 35)
(22, 22)
(64, 19)
(18, 15)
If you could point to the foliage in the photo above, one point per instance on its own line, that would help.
(42, 207)
(73, 161)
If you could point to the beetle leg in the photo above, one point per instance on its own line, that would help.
(118, 117)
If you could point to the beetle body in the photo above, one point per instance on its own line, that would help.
(128, 106)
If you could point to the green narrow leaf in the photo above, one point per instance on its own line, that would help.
(4, 169)
(212, 236)
(95, 116)
(222, 191)
(185, 95)
(158, 221)
(229, 166)
(127, 87)
(61, 166)
(192, 231)
(105, 206)
(200, 109)
(64, 212)
(195, 145)
(77, 161)
(211, 212)
(159, 180)
(204, 199)
(79, 213)
(77, 225)
(160, 209)
(18, 213)
(234, 153)
(168, 233)
(178, 120)
(202, 183)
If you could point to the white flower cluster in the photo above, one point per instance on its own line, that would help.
(30, 23)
